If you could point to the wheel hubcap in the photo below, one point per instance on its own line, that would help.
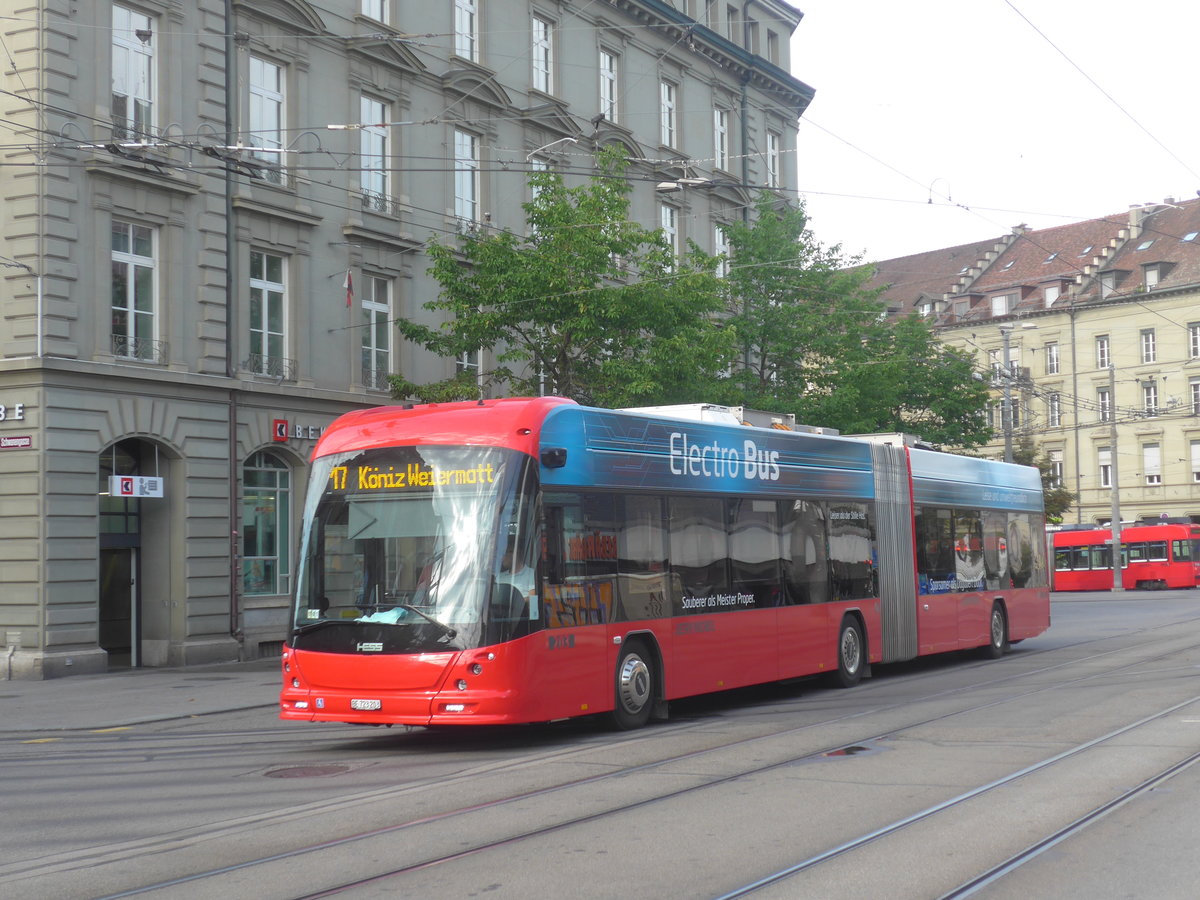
(997, 628)
(633, 684)
(851, 651)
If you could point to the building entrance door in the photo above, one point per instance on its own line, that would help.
(119, 624)
(119, 599)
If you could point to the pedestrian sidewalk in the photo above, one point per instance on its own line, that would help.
(134, 696)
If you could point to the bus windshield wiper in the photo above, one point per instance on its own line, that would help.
(450, 633)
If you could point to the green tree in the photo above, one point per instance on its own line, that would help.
(816, 341)
(1056, 497)
(586, 304)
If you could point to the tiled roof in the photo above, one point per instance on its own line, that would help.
(1073, 258)
(909, 280)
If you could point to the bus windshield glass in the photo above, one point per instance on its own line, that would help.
(399, 546)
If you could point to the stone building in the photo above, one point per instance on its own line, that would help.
(213, 210)
(1090, 336)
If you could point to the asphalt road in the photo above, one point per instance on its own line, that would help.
(1063, 770)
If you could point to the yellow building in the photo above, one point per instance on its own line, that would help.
(1089, 334)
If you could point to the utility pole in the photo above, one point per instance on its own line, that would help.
(1116, 493)
(1006, 418)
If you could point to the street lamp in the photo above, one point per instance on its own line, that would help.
(1006, 417)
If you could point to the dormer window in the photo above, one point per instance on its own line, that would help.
(1108, 284)
(1002, 305)
(1051, 294)
(1151, 275)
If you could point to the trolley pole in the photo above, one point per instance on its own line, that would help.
(1116, 492)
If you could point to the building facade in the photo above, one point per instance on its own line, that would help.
(1089, 334)
(214, 211)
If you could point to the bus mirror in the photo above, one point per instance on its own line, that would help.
(554, 457)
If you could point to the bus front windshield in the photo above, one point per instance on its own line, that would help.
(399, 545)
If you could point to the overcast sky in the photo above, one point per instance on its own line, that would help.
(1041, 112)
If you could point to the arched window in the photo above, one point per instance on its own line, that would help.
(266, 535)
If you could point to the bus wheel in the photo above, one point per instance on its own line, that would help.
(850, 653)
(634, 687)
(997, 633)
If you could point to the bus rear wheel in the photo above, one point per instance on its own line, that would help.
(634, 686)
(851, 653)
(997, 644)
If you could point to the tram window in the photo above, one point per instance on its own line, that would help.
(1081, 558)
(1064, 559)
(1101, 555)
(1156, 550)
(1181, 551)
(1135, 552)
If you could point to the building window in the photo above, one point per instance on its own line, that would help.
(374, 150)
(542, 55)
(667, 110)
(1103, 360)
(469, 363)
(1150, 275)
(466, 29)
(267, 116)
(1152, 463)
(668, 218)
(133, 291)
(376, 321)
(1051, 295)
(466, 177)
(1056, 468)
(1150, 398)
(1053, 410)
(720, 138)
(1194, 388)
(608, 85)
(1108, 284)
(132, 74)
(1149, 353)
(1104, 461)
(1003, 305)
(1195, 448)
(266, 518)
(721, 250)
(774, 144)
(375, 9)
(772, 47)
(1052, 358)
(1104, 404)
(267, 296)
(1194, 340)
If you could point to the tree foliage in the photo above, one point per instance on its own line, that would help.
(586, 304)
(816, 341)
(1056, 497)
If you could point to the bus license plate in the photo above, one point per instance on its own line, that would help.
(366, 704)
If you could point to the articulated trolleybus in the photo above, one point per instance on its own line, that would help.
(528, 560)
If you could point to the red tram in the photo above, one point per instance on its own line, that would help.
(1165, 555)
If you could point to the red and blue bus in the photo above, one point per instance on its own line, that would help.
(1159, 556)
(528, 560)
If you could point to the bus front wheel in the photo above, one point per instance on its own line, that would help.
(634, 687)
(851, 653)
